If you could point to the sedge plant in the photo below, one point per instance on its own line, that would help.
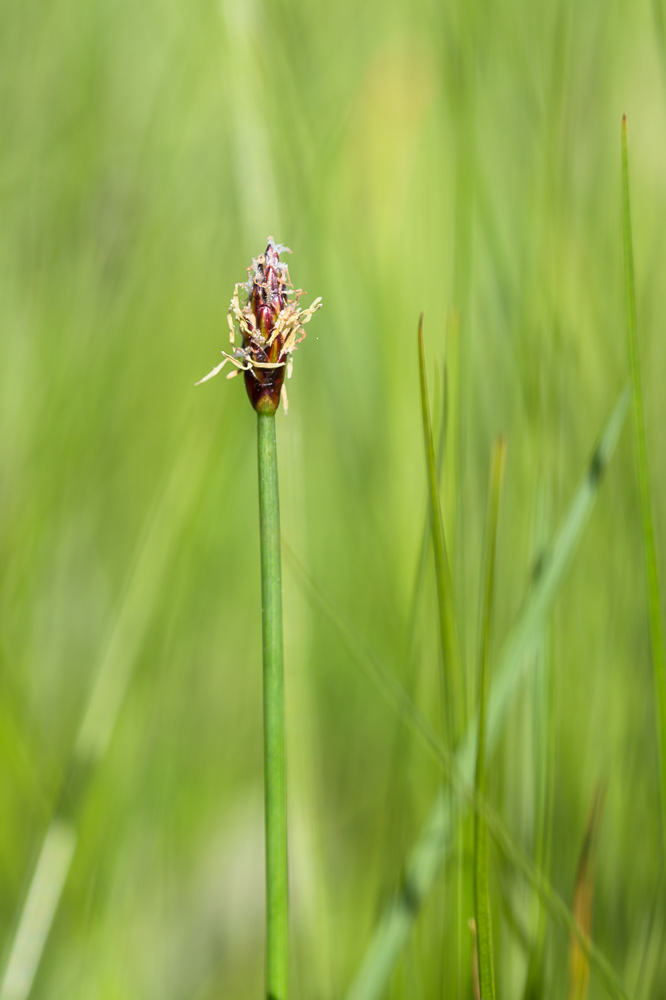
(265, 314)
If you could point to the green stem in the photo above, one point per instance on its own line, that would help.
(649, 546)
(481, 881)
(277, 885)
(452, 684)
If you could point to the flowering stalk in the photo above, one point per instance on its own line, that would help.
(270, 324)
(275, 794)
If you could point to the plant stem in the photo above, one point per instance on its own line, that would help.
(481, 887)
(451, 671)
(277, 884)
(649, 547)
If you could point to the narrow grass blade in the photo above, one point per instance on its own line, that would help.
(47, 880)
(544, 796)
(432, 846)
(452, 678)
(543, 729)
(452, 424)
(481, 889)
(398, 803)
(452, 682)
(583, 896)
(651, 571)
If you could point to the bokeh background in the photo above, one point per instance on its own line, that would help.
(457, 158)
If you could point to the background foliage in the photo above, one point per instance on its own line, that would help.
(456, 158)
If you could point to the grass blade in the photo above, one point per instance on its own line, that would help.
(583, 896)
(452, 425)
(432, 845)
(651, 571)
(543, 730)
(452, 678)
(452, 682)
(481, 890)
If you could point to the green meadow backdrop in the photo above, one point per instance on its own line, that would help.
(457, 158)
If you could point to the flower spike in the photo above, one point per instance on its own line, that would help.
(270, 324)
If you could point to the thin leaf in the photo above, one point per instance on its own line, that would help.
(452, 682)
(481, 890)
(651, 571)
(412, 659)
(452, 679)
(544, 756)
(452, 415)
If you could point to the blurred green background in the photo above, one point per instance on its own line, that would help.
(457, 158)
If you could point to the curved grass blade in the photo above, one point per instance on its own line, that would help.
(481, 890)
(453, 690)
(432, 846)
(452, 427)
(651, 571)
(451, 673)
(446, 457)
